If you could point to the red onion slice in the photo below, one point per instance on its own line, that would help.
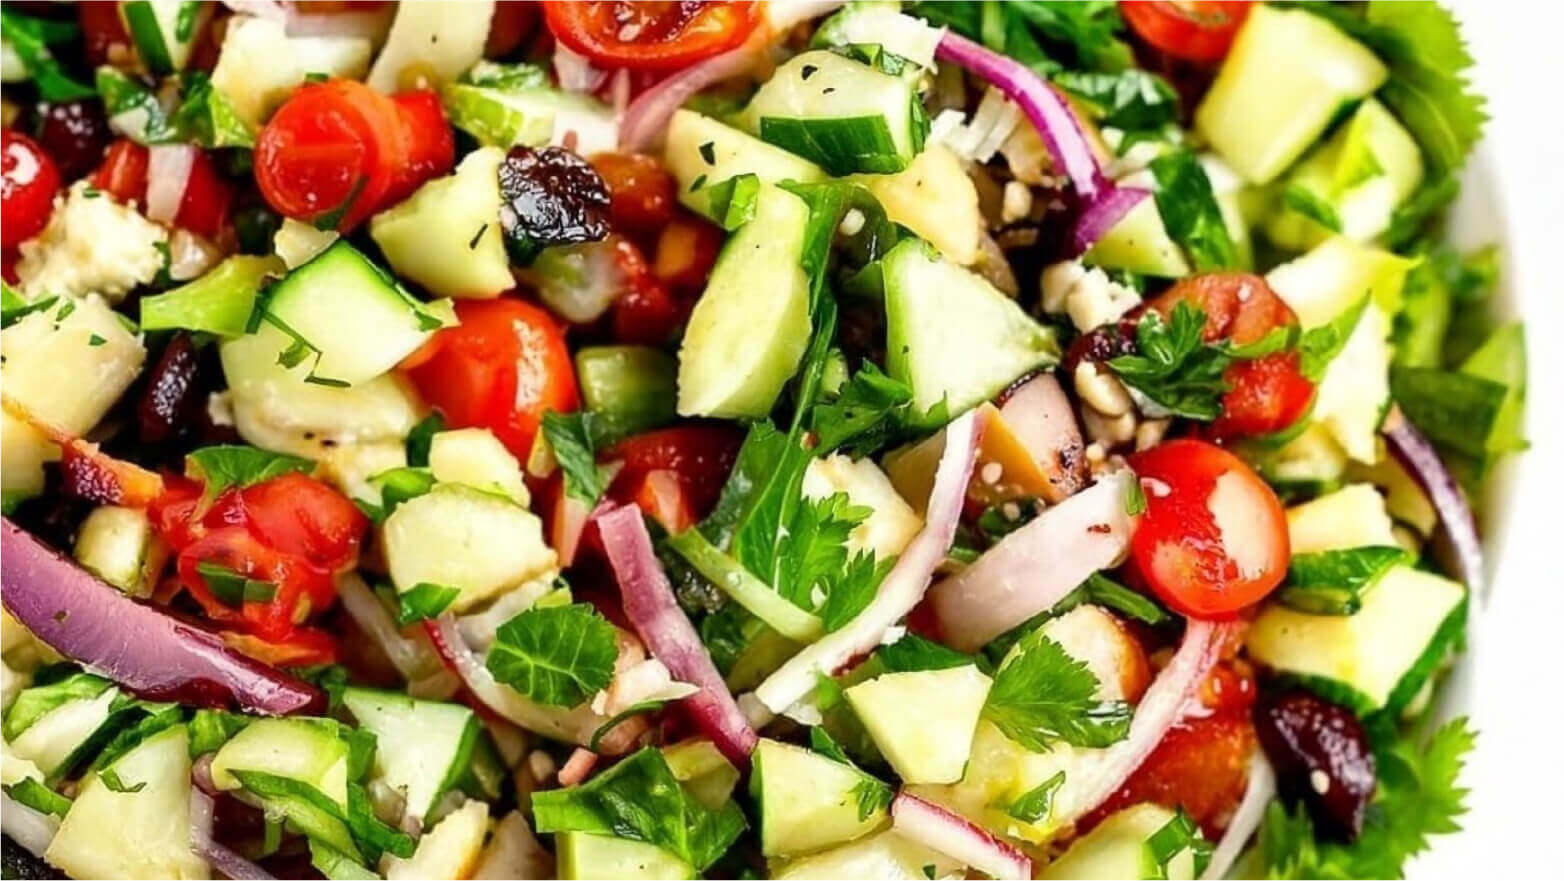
(958, 838)
(1258, 793)
(220, 856)
(647, 116)
(574, 725)
(31, 830)
(575, 71)
(653, 611)
(1101, 215)
(1161, 706)
(1462, 547)
(1033, 568)
(149, 653)
(903, 586)
(168, 173)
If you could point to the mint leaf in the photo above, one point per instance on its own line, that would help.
(1318, 346)
(1037, 803)
(1042, 695)
(639, 799)
(424, 601)
(573, 438)
(1333, 582)
(560, 655)
(1190, 213)
(221, 467)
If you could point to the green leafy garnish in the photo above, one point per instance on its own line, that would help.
(1176, 836)
(210, 729)
(1318, 346)
(1098, 589)
(1042, 695)
(35, 795)
(913, 653)
(1038, 802)
(396, 486)
(574, 437)
(869, 412)
(222, 467)
(112, 781)
(233, 589)
(1178, 370)
(1047, 37)
(560, 655)
(420, 438)
(1131, 100)
(31, 38)
(424, 601)
(1190, 212)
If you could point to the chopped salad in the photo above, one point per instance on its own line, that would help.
(788, 439)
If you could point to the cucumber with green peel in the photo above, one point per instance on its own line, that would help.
(1330, 278)
(923, 721)
(633, 388)
(1351, 517)
(476, 458)
(809, 802)
(951, 335)
(1308, 465)
(446, 236)
(881, 855)
(703, 770)
(840, 114)
(117, 544)
(1139, 242)
(702, 152)
(347, 318)
(302, 750)
(500, 108)
(164, 31)
(422, 748)
(1121, 847)
(586, 856)
(935, 198)
(1287, 77)
(56, 741)
(478, 542)
(750, 328)
(220, 302)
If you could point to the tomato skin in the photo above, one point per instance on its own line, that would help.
(1181, 548)
(512, 24)
(1193, 30)
(233, 547)
(640, 190)
(331, 147)
(1265, 395)
(299, 515)
(208, 198)
(687, 250)
(662, 494)
(700, 455)
(430, 144)
(644, 312)
(123, 172)
(502, 368)
(28, 181)
(650, 36)
(102, 30)
(1201, 765)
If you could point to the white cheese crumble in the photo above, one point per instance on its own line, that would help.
(92, 245)
(1088, 296)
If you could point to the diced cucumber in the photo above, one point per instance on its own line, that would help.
(477, 542)
(475, 457)
(1233, 200)
(1332, 277)
(164, 31)
(56, 739)
(1353, 396)
(923, 721)
(882, 24)
(1357, 178)
(1139, 242)
(429, 42)
(751, 326)
(1119, 847)
(219, 302)
(951, 335)
(935, 198)
(117, 545)
(584, 856)
(884, 856)
(261, 64)
(422, 748)
(807, 801)
(702, 152)
(1308, 465)
(296, 749)
(1285, 79)
(65, 364)
(452, 849)
(533, 115)
(634, 388)
(1351, 517)
(1502, 359)
(1375, 659)
(703, 770)
(446, 236)
(840, 114)
(139, 834)
(354, 319)
(1405, 499)
(891, 524)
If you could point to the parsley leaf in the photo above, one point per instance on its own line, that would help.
(870, 411)
(573, 437)
(912, 653)
(1318, 346)
(873, 795)
(559, 655)
(812, 551)
(424, 601)
(1042, 695)
(1042, 35)
(221, 467)
(1037, 803)
(1190, 212)
(639, 799)
(1177, 369)
(852, 592)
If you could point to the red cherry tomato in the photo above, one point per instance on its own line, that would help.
(687, 250)
(650, 36)
(102, 30)
(512, 24)
(299, 515)
(123, 172)
(1213, 539)
(1201, 765)
(296, 588)
(640, 189)
(28, 182)
(1265, 395)
(1194, 30)
(663, 495)
(430, 145)
(502, 368)
(204, 208)
(699, 455)
(644, 312)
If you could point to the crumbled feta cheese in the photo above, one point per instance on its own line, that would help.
(1097, 300)
(1017, 202)
(92, 245)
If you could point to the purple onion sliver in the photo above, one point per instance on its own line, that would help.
(148, 652)
(1417, 454)
(1100, 215)
(203, 845)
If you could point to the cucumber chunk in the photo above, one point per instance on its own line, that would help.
(477, 542)
(1375, 659)
(534, 115)
(219, 302)
(702, 152)
(589, 857)
(1139, 242)
(141, 834)
(446, 236)
(923, 721)
(841, 114)
(935, 198)
(433, 41)
(118, 546)
(1351, 517)
(807, 801)
(164, 31)
(751, 326)
(260, 64)
(422, 748)
(1118, 848)
(634, 388)
(54, 741)
(475, 457)
(355, 319)
(884, 856)
(1283, 82)
(296, 749)
(951, 335)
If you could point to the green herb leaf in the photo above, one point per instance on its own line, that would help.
(30, 792)
(873, 795)
(1037, 803)
(1176, 836)
(420, 438)
(1098, 589)
(207, 117)
(32, 704)
(210, 729)
(1318, 346)
(573, 438)
(222, 467)
(870, 411)
(1311, 205)
(233, 589)
(1333, 582)
(639, 799)
(1177, 369)
(559, 656)
(424, 601)
(1131, 100)
(111, 780)
(913, 653)
(1190, 212)
(30, 38)
(1042, 695)
(396, 486)
(823, 743)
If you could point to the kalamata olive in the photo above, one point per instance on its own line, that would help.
(1100, 344)
(74, 134)
(172, 396)
(549, 197)
(1321, 756)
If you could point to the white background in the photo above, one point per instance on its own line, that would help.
(1515, 689)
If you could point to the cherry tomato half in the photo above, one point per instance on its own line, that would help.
(1213, 539)
(502, 368)
(299, 515)
(1200, 765)
(1194, 30)
(699, 455)
(650, 36)
(28, 182)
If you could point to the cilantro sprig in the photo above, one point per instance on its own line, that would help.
(1178, 370)
(1042, 695)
